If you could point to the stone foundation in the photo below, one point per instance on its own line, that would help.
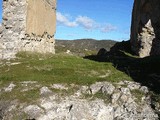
(28, 25)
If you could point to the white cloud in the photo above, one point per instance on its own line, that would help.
(86, 22)
(83, 21)
(72, 34)
(64, 20)
(108, 28)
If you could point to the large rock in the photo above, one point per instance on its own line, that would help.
(28, 25)
(145, 32)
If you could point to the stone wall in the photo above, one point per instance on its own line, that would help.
(28, 25)
(13, 25)
(41, 17)
(145, 32)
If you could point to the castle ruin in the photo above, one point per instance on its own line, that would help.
(145, 28)
(28, 25)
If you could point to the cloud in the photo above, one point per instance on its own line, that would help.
(72, 35)
(64, 20)
(108, 28)
(84, 22)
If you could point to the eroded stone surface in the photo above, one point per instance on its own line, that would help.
(33, 110)
(10, 87)
(145, 32)
(27, 26)
(45, 91)
(55, 106)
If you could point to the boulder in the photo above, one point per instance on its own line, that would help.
(102, 52)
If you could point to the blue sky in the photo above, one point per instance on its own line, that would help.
(0, 11)
(97, 19)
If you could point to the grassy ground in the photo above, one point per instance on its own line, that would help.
(60, 68)
(68, 69)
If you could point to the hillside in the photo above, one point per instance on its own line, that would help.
(83, 46)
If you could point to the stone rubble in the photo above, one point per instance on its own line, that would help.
(33, 110)
(122, 104)
(45, 91)
(59, 86)
(9, 88)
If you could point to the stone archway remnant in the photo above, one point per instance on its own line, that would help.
(145, 27)
(28, 25)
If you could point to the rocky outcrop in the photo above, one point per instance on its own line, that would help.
(27, 26)
(100, 101)
(145, 32)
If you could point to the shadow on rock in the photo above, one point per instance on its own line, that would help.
(143, 70)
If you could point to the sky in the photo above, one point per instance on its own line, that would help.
(96, 19)
(0, 11)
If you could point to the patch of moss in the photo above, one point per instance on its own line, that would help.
(138, 95)
(29, 96)
(100, 95)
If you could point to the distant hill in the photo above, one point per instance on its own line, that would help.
(83, 46)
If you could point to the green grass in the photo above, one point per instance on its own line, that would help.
(29, 96)
(138, 95)
(60, 68)
(129, 54)
(105, 97)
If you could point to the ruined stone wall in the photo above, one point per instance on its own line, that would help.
(41, 17)
(145, 28)
(28, 25)
(13, 27)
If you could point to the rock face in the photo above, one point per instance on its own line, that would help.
(145, 32)
(28, 25)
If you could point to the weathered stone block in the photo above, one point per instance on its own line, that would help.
(145, 32)
(28, 25)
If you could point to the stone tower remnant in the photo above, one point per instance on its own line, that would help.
(145, 28)
(28, 25)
